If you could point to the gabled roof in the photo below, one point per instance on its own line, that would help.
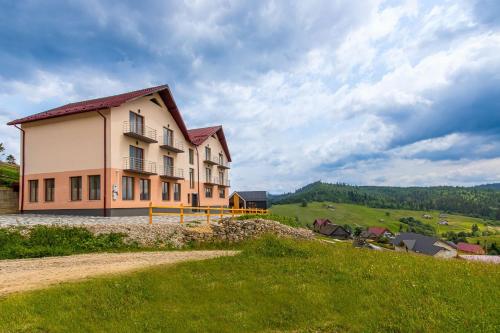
(418, 243)
(252, 195)
(470, 248)
(320, 222)
(199, 135)
(377, 231)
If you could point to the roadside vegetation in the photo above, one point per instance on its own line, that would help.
(274, 285)
(43, 241)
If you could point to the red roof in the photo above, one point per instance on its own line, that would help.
(199, 135)
(321, 222)
(470, 248)
(377, 231)
(196, 136)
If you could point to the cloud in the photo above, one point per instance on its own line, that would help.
(360, 92)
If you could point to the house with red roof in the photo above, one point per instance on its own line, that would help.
(467, 248)
(327, 228)
(376, 233)
(115, 155)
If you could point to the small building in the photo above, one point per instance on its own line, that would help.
(249, 199)
(376, 233)
(427, 216)
(443, 222)
(470, 248)
(431, 246)
(327, 228)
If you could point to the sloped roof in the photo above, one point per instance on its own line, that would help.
(199, 135)
(470, 248)
(418, 243)
(253, 195)
(377, 231)
(320, 222)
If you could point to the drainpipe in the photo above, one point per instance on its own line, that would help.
(198, 166)
(105, 194)
(23, 168)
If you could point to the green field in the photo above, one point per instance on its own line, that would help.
(273, 286)
(357, 215)
(8, 173)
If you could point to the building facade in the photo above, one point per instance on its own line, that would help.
(114, 155)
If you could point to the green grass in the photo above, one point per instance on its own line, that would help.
(287, 220)
(8, 174)
(363, 216)
(273, 286)
(43, 241)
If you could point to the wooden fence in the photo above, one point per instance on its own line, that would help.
(205, 212)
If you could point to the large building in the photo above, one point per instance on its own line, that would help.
(114, 155)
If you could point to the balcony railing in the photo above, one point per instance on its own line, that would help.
(136, 131)
(138, 165)
(211, 160)
(210, 180)
(169, 172)
(222, 182)
(172, 145)
(223, 164)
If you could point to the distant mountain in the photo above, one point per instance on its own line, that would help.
(494, 186)
(472, 201)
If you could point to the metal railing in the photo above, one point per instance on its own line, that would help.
(176, 144)
(139, 165)
(170, 171)
(210, 180)
(222, 181)
(223, 164)
(137, 129)
(207, 212)
(211, 160)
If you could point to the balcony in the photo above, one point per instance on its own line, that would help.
(211, 160)
(223, 165)
(169, 172)
(210, 181)
(222, 182)
(143, 133)
(140, 166)
(172, 145)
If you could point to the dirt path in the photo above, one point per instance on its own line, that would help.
(29, 274)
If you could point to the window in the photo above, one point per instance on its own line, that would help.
(191, 178)
(144, 185)
(221, 159)
(76, 188)
(191, 156)
(168, 137)
(136, 156)
(136, 123)
(177, 192)
(165, 191)
(95, 187)
(33, 190)
(221, 178)
(208, 191)
(222, 192)
(49, 189)
(168, 166)
(127, 188)
(189, 198)
(208, 175)
(208, 153)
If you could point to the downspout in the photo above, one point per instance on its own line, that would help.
(105, 192)
(23, 168)
(198, 167)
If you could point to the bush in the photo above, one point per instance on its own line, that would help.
(42, 241)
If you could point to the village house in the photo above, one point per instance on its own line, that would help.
(375, 233)
(327, 228)
(432, 246)
(467, 248)
(114, 155)
(249, 199)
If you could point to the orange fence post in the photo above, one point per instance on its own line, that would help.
(221, 213)
(182, 214)
(232, 213)
(208, 215)
(150, 212)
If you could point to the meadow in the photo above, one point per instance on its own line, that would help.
(274, 285)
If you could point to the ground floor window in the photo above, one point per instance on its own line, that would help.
(76, 188)
(127, 188)
(145, 186)
(165, 191)
(177, 192)
(49, 189)
(33, 190)
(208, 191)
(95, 187)
(222, 192)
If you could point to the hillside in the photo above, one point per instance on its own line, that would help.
(470, 201)
(273, 286)
(9, 173)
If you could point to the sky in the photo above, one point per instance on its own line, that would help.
(372, 92)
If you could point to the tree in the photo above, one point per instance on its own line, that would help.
(11, 159)
(2, 149)
(358, 231)
(475, 228)
(304, 203)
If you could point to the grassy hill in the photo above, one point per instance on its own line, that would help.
(9, 173)
(358, 215)
(273, 286)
